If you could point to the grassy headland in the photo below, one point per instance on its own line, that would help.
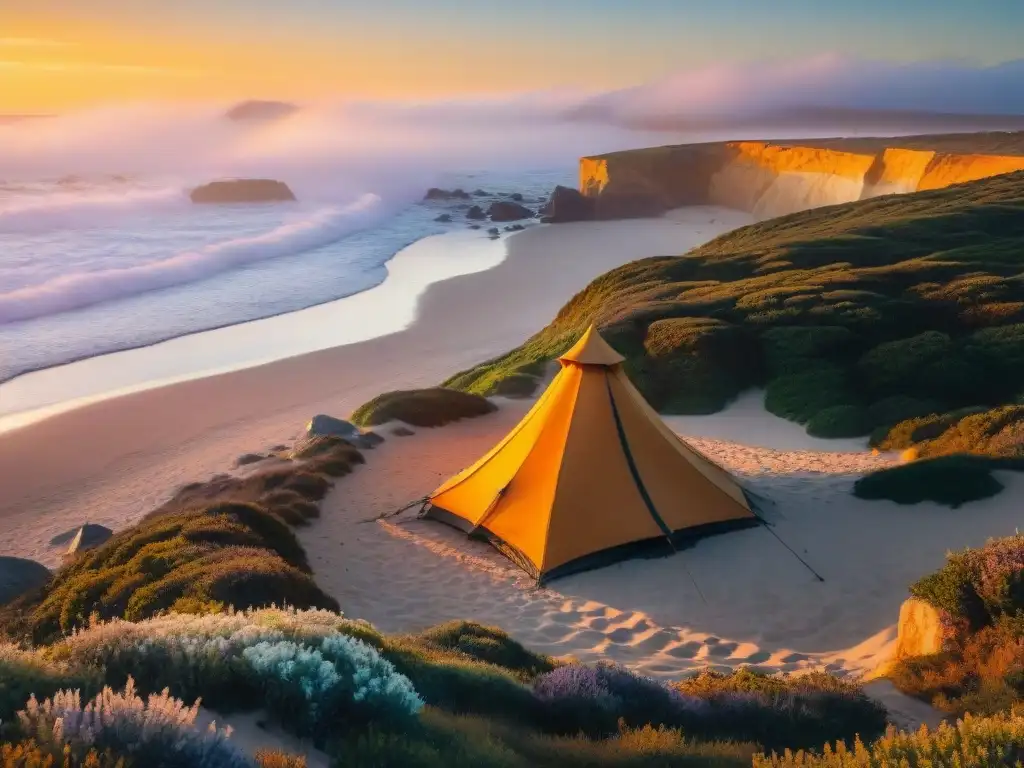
(899, 317)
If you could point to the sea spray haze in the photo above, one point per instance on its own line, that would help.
(102, 250)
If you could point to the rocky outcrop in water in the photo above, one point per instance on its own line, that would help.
(567, 204)
(476, 213)
(508, 211)
(243, 191)
(436, 193)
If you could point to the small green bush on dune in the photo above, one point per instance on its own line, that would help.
(800, 396)
(224, 542)
(840, 421)
(421, 407)
(948, 480)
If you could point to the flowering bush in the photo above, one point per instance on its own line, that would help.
(971, 743)
(594, 699)
(772, 711)
(978, 586)
(158, 732)
(301, 665)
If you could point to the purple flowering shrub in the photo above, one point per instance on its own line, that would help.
(778, 713)
(977, 587)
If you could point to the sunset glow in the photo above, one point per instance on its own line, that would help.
(60, 54)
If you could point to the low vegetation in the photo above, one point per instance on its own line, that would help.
(224, 542)
(421, 407)
(948, 480)
(898, 317)
(980, 596)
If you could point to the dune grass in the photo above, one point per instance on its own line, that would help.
(855, 317)
(422, 407)
(224, 542)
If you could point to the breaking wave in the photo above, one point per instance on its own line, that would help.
(86, 288)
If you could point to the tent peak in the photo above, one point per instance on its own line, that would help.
(592, 349)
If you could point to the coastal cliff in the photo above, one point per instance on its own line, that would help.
(776, 178)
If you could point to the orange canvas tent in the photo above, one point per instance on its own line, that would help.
(590, 475)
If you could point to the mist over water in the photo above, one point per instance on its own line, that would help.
(100, 247)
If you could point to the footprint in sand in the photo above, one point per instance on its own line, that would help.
(721, 650)
(685, 651)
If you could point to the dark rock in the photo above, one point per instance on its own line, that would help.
(323, 426)
(514, 228)
(476, 213)
(568, 204)
(401, 431)
(249, 458)
(18, 576)
(514, 196)
(444, 218)
(480, 193)
(475, 226)
(546, 220)
(435, 193)
(243, 191)
(494, 232)
(507, 211)
(260, 110)
(278, 448)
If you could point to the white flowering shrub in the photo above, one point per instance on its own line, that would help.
(307, 667)
(158, 732)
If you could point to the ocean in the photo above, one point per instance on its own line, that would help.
(101, 249)
(91, 266)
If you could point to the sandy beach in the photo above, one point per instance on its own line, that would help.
(111, 461)
(731, 600)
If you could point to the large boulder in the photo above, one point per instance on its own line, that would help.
(920, 631)
(504, 210)
(18, 576)
(476, 213)
(243, 191)
(328, 426)
(567, 204)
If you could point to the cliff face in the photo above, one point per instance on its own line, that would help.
(769, 179)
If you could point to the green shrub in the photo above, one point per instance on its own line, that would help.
(422, 407)
(23, 673)
(800, 396)
(487, 644)
(974, 742)
(900, 364)
(792, 349)
(894, 409)
(947, 480)
(840, 421)
(454, 682)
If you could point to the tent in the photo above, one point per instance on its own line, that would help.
(590, 475)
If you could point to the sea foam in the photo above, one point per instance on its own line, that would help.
(82, 289)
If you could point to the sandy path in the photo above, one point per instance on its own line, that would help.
(110, 462)
(756, 604)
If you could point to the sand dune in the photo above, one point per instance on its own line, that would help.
(732, 600)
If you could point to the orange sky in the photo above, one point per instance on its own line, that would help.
(61, 54)
(47, 67)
